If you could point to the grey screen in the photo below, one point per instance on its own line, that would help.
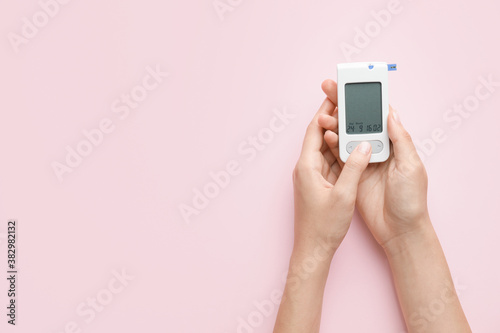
(363, 107)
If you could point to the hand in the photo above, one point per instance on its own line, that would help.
(392, 199)
(392, 196)
(324, 196)
(324, 204)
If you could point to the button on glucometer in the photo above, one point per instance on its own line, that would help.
(377, 146)
(351, 145)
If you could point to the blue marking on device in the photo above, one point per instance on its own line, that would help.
(392, 67)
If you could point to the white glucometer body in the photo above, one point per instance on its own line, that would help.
(363, 107)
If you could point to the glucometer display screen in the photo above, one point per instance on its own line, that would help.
(363, 107)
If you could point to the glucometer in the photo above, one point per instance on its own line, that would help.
(363, 107)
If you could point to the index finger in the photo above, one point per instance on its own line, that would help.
(330, 89)
(313, 140)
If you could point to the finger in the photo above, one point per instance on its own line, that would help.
(357, 162)
(332, 140)
(330, 175)
(330, 89)
(336, 169)
(313, 139)
(334, 161)
(329, 157)
(404, 149)
(324, 147)
(328, 122)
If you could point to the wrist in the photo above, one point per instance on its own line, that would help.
(320, 247)
(422, 235)
(311, 258)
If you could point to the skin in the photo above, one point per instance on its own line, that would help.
(392, 199)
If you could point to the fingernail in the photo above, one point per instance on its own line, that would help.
(395, 115)
(364, 147)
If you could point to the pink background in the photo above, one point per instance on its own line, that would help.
(120, 208)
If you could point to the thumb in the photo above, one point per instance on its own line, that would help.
(353, 168)
(404, 149)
